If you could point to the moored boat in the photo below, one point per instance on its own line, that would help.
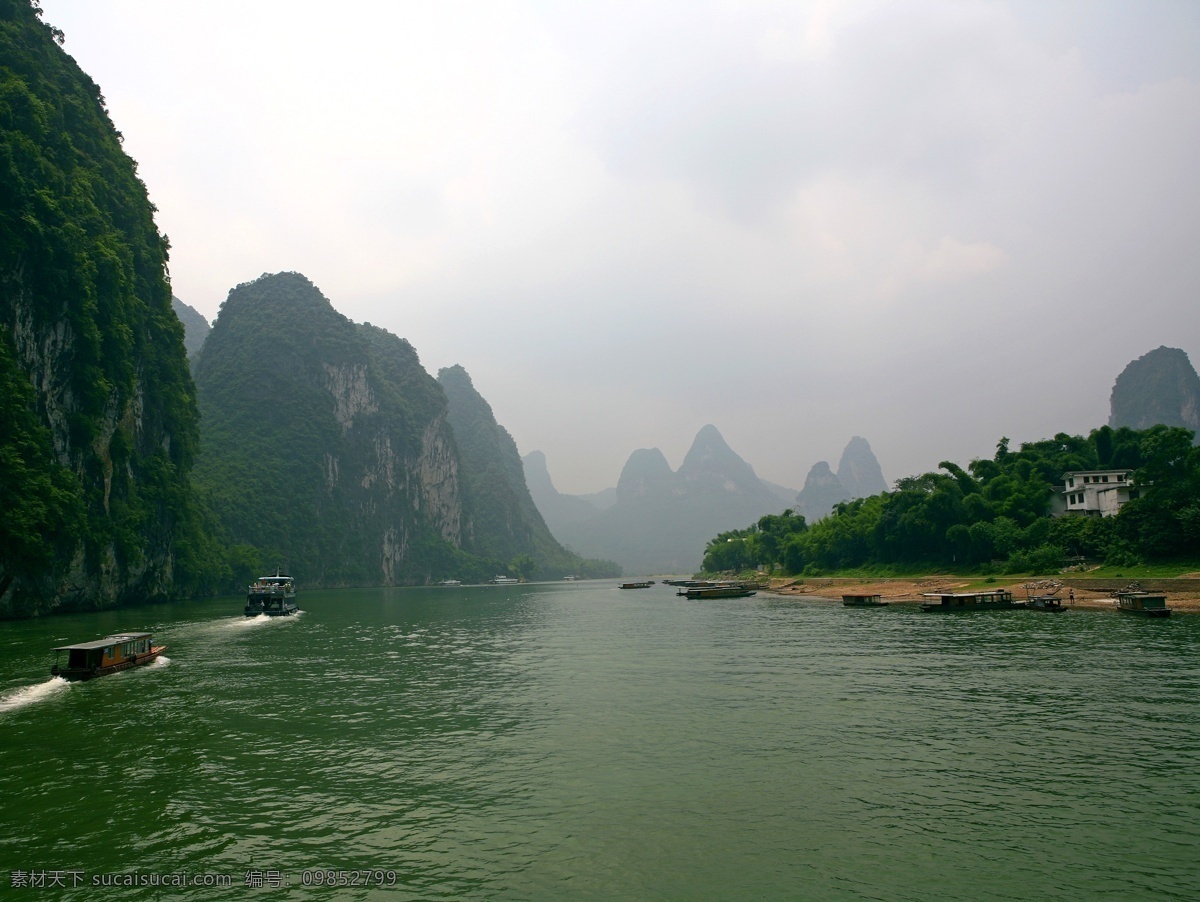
(1143, 604)
(1049, 604)
(640, 584)
(274, 596)
(722, 590)
(104, 656)
(864, 601)
(990, 600)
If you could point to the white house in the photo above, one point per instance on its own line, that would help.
(1097, 493)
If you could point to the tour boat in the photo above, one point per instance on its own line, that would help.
(274, 596)
(991, 600)
(504, 580)
(641, 584)
(105, 656)
(1143, 604)
(864, 601)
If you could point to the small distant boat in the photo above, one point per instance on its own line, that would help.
(641, 584)
(1143, 604)
(450, 582)
(1049, 604)
(864, 601)
(104, 656)
(274, 596)
(720, 590)
(953, 602)
(504, 580)
(570, 577)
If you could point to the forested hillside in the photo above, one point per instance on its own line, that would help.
(99, 417)
(326, 449)
(994, 514)
(505, 522)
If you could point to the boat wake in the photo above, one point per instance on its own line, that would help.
(30, 695)
(259, 620)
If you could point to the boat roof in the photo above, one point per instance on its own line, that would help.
(967, 594)
(274, 576)
(105, 642)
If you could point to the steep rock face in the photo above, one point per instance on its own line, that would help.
(556, 508)
(1160, 387)
(195, 326)
(662, 519)
(326, 444)
(99, 413)
(506, 522)
(822, 490)
(858, 470)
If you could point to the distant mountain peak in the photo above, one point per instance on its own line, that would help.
(645, 474)
(711, 462)
(859, 471)
(1160, 387)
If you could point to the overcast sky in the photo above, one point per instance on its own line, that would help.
(931, 224)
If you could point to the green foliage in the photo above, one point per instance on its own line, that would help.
(87, 314)
(994, 514)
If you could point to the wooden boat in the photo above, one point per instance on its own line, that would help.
(727, 590)
(104, 656)
(1143, 604)
(1049, 604)
(991, 600)
(640, 584)
(864, 601)
(274, 596)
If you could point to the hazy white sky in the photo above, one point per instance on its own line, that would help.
(931, 224)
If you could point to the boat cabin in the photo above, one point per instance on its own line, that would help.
(1143, 603)
(102, 656)
(863, 601)
(990, 600)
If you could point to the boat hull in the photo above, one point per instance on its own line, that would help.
(1150, 612)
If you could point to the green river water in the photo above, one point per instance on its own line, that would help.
(578, 741)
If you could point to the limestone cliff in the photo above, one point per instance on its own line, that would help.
(506, 523)
(1160, 387)
(99, 411)
(326, 444)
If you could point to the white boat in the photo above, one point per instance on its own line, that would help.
(504, 581)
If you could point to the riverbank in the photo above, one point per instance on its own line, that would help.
(1182, 594)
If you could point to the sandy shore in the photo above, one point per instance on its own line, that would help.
(912, 590)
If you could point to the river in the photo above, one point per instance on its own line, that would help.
(575, 740)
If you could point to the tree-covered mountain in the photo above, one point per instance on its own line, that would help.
(195, 326)
(662, 518)
(506, 523)
(1159, 388)
(98, 408)
(326, 448)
